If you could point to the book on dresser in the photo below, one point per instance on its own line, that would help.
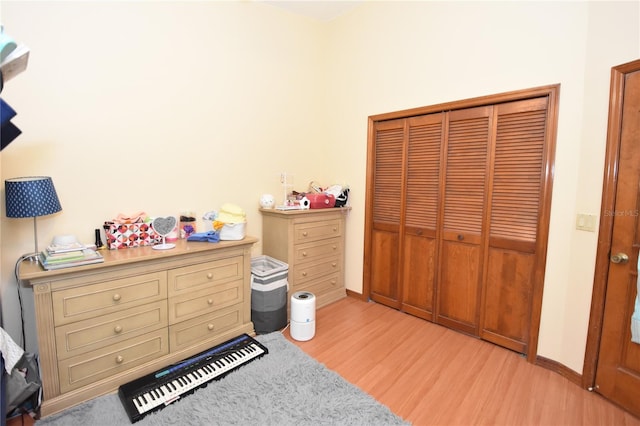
(67, 259)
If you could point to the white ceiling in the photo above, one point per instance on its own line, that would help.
(322, 10)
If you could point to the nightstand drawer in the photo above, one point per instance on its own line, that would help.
(88, 368)
(309, 271)
(205, 327)
(205, 274)
(207, 300)
(95, 333)
(317, 250)
(75, 304)
(313, 231)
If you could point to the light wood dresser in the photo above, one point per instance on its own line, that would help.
(311, 242)
(103, 325)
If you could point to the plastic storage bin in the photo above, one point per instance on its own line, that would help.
(269, 288)
(233, 231)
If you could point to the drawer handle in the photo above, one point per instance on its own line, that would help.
(304, 274)
(116, 297)
(460, 237)
(304, 254)
(335, 247)
(335, 229)
(210, 327)
(334, 264)
(209, 275)
(210, 301)
(333, 282)
(304, 234)
(119, 359)
(117, 329)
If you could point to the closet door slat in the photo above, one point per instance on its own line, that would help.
(517, 182)
(388, 181)
(422, 196)
(465, 182)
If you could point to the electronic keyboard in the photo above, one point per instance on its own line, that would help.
(157, 390)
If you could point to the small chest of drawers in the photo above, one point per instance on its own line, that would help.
(103, 325)
(311, 242)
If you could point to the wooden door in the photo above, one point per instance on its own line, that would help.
(441, 246)
(517, 176)
(463, 209)
(387, 200)
(419, 255)
(618, 365)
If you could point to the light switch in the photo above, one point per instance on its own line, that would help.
(586, 222)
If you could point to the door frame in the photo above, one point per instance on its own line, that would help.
(605, 232)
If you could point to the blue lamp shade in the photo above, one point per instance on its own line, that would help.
(31, 196)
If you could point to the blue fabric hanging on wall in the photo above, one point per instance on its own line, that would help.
(8, 131)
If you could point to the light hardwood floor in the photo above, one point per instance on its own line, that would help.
(430, 375)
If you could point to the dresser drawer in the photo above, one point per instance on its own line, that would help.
(309, 271)
(207, 300)
(205, 274)
(95, 333)
(321, 286)
(313, 231)
(204, 327)
(75, 304)
(317, 250)
(88, 368)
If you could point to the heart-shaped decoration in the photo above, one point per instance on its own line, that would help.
(164, 225)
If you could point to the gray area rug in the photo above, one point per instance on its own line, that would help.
(284, 387)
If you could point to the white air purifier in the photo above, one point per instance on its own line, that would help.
(303, 316)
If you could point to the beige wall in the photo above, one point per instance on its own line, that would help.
(390, 56)
(188, 105)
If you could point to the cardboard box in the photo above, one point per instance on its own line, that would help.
(129, 235)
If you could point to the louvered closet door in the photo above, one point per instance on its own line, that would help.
(387, 186)
(465, 193)
(516, 196)
(422, 191)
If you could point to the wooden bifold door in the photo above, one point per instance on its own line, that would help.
(458, 201)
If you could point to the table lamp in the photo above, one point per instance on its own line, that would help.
(31, 196)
